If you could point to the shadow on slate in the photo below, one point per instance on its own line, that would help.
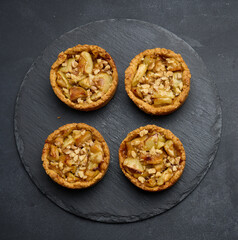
(114, 199)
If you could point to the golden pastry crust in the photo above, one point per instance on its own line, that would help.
(163, 83)
(84, 77)
(76, 156)
(152, 158)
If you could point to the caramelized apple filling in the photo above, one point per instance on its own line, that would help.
(84, 77)
(75, 155)
(151, 158)
(158, 80)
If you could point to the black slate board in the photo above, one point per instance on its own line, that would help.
(114, 199)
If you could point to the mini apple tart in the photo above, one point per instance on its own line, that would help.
(84, 77)
(152, 158)
(158, 81)
(75, 156)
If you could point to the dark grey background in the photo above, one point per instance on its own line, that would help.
(210, 27)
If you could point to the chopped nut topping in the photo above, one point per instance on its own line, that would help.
(143, 132)
(107, 67)
(66, 90)
(141, 179)
(84, 77)
(74, 64)
(73, 147)
(96, 71)
(104, 62)
(155, 74)
(76, 151)
(80, 174)
(151, 170)
(79, 100)
(174, 168)
(68, 151)
(151, 158)
(168, 164)
(74, 154)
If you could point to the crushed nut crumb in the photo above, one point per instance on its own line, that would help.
(143, 132)
(141, 179)
(151, 170)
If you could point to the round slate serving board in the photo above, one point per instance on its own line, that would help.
(114, 199)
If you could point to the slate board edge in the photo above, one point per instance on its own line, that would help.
(102, 217)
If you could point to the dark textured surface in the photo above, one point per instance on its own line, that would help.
(211, 28)
(115, 199)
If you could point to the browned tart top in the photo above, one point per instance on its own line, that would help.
(158, 81)
(84, 77)
(152, 158)
(75, 156)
